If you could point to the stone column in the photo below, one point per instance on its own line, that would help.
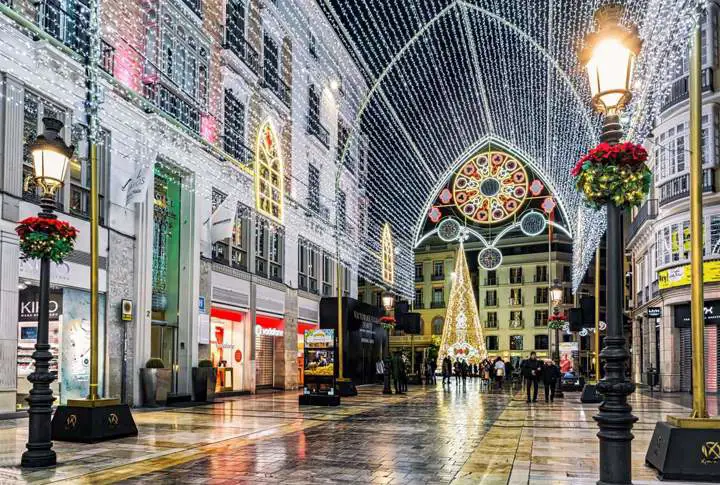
(205, 290)
(636, 356)
(669, 352)
(11, 146)
(286, 347)
(9, 255)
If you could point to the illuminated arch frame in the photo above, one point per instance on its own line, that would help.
(261, 152)
(387, 255)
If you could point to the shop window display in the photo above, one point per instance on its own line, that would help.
(227, 349)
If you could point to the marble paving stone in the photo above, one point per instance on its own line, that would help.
(429, 436)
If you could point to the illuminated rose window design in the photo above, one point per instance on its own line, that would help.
(490, 187)
(269, 174)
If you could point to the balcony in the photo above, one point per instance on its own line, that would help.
(491, 324)
(655, 289)
(516, 323)
(679, 187)
(237, 260)
(540, 278)
(491, 302)
(419, 278)
(195, 6)
(236, 43)
(491, 281)
(107, 57)
(648, 211)
(639, 299)
(543, 323)
(679, 90)
(71, 27)
(237, 149)
(541, 300)
(437, 276)
(516, 280)
(315, 128)
(272, 81)
(516, 301)
(437, 304)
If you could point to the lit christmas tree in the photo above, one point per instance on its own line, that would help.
(462, 337)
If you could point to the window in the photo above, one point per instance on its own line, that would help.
(541, 342)
(419, 266)
(270, 62)
(342, 137)
(438, 298)
(269, 249)
(269, 174)
(491, 298)
(378, 299)
(79, 169)
(438, 270)
(567, 274)
(35, 108)
(673, 243)
(492, 321)
(418, 302)
(234, 130)
(541, 318)
(312, 45)
(516, 342)
(346, 272)
(541, 274)
(195, 6)
(234, 250)
(341, 218)
(491, 342)
(568, 297)
(184, 61)
(313, 189)
(308, 264)
(491, 278)
(328, 271)
(515, 275)
(313, 104)
(437, 325)
(516, 319)
(68, 22)
(516, 296)
(541, 295)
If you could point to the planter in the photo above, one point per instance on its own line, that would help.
(204, 379)
(155, 386)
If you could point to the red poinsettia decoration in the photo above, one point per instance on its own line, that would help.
(557, 317)
(627, 153)
(42, 237)
(387, 322)
(48, 226)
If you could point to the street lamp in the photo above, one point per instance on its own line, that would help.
(50, 157)
(556, 295)
(609, 56)
(388, 301)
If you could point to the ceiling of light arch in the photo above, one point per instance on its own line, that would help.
(444, 74)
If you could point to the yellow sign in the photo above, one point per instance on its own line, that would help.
(680, 275)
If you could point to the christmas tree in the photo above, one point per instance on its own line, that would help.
(462, 337)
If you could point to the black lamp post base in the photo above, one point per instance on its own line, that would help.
(691, 454)
(346, 388)
(590, 394)
(84, 424)
(38, 459)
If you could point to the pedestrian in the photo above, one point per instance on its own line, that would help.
(456, 369)
(530, 369)
(550, 374)
(463, 370)
(446, 370)
(509, 370)
(404, 366)
(499, 372)
(397, 364)
(433, 366)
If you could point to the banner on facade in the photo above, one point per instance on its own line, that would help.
(680, 275)
(221, 223)
(711, 314)
(136, 188)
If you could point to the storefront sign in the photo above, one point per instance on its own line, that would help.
(654, 312)
(137, 186)
(711, 312)
(680, 275)
(568, 347)
(320, 338)
(201, 304)
(65, 274)
(238, 356)
(29, 300)
(268, 332)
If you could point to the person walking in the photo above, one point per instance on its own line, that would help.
(463, 370)
(550, 374)
(530, 369)
(499, 372)
(446, 370)
(397, 364)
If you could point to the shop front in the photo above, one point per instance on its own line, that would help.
(308, 316)
(681, 315)
(69, 338)
(269, 344)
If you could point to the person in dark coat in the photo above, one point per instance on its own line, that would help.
(530, 369)
(397, 365)
(550, 374)
(446, 370)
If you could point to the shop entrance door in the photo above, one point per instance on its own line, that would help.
(264, 362)
(162, 346)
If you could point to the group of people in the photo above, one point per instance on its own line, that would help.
(532, 371)
(399, 371)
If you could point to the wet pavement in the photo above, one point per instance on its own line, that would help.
(431, 435)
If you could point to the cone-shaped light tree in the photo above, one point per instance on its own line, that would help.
(462, 334)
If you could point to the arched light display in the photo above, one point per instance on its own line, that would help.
(269, 176)
(387, 255)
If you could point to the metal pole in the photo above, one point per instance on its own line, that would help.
(697, 320)
(597, 314)
(615, 418)
(339, 319)
(39, 451)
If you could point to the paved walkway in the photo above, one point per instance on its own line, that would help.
(431, 435)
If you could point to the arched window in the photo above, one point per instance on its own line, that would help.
(437, 325)
(269, 176)
(387, 255)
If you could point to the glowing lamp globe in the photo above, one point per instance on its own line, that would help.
(50, 157)
(609, 58)
(556, 293)
(388, 300)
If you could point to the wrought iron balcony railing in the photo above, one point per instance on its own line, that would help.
(236, 42)
(315, 128)
(647, 212)
(679, 187)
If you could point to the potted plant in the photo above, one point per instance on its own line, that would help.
(204, 379)
(155, 379)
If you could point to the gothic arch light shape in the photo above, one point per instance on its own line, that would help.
(269, 173)
(387, 255)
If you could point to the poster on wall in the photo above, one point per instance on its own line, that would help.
(680, 275)
(75, 348)
(568, 353)
(28, 308)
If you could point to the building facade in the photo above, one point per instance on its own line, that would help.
(658, 236)
(223, 198)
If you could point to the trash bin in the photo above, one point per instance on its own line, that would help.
(652, 377)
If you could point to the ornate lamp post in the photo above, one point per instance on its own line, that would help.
(388, 301)
(50, 157)
(609, 56)
(556, 294)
